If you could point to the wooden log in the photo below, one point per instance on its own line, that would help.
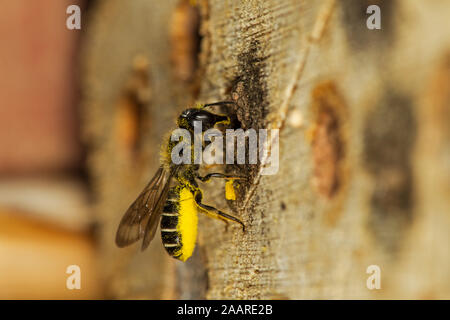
(363, 172)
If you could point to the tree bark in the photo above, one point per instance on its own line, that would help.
(363, 122)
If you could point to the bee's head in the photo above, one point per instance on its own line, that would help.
(188, 117)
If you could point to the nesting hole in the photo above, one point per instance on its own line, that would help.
(132, 119)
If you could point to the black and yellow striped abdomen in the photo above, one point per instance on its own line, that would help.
(179, 223)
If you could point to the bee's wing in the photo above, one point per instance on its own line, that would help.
(143, 214)
(153, 220)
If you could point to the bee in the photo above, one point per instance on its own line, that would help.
(173, 197)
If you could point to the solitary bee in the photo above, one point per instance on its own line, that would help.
(177, 203)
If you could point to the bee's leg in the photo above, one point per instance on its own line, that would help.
(218, 175)
(215, 213)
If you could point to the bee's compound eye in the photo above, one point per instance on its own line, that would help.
(188, 113)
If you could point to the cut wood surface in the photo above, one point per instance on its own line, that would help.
(363, 123)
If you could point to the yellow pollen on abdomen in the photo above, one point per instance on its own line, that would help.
(230, 193)
(187, 223)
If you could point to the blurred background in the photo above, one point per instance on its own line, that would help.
(45, 211)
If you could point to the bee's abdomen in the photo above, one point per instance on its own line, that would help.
(170, 236)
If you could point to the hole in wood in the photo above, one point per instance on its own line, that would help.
(132, 110)
(327, 139)
(185, 40)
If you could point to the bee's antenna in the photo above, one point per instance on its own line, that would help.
(220, 103)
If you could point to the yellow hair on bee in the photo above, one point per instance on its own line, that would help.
(187, 223)
(164, 154)
(199, 105)
(165, 151)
